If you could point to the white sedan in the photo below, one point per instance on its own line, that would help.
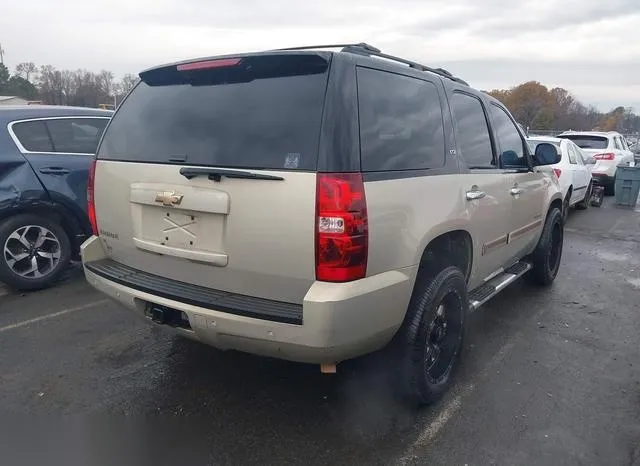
(573, 171)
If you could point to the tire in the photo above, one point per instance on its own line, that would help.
(548, 253)
(436, 318)
(597, 201)
(610, 188)
(42, 240)
(584, 204)
(565, 207)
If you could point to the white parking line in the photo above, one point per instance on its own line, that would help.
(451, 408)
(24, 323)
(427, 435)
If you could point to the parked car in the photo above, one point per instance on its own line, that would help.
(373, 209)
(609, 149)
(573, 171)
(45, 156)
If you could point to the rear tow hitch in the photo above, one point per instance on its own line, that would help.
(163, 315)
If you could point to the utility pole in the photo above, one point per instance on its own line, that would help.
(1, 55)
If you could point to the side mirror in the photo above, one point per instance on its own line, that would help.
(547, 154)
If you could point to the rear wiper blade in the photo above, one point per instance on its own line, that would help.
(216, 174)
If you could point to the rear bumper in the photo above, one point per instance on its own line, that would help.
(603, 179)
(605, 174)
(336, 321)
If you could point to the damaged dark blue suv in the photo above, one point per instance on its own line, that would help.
(45, 157)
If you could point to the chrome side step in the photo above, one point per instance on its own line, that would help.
(488, 290)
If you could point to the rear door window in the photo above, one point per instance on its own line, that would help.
(401, 123)
(265, 113)
(33, 136)
(76, 135)
(512, 151)
(572, 154)
(617, 143)
(472, 130)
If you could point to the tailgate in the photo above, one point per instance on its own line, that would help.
(207, 174)
(252, 237)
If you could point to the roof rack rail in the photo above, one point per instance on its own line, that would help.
(335, 46)
(365, 49)
(372, 51)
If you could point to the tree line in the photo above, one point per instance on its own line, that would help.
(537, 107)
(534, 105)
(52, 86)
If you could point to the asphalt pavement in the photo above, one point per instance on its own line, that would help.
(550, 377)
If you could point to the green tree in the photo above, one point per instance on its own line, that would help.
(4, 77)
(22, 88)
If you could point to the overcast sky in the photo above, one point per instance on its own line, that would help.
(590, 47)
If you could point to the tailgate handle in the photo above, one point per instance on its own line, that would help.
(216, 174)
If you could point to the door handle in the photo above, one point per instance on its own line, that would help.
(516, 191)
(54, 171)
(475, 194)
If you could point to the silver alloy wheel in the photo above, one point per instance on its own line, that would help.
(32, 251)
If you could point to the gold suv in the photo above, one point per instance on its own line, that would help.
(317, 205)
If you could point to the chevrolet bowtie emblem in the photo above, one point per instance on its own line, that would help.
(169, 198)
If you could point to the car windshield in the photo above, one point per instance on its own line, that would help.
(588, 142)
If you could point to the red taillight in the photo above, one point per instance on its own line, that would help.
(606, 156)
(558, 172)
(208, 64)
(342, 230)
(91, 204)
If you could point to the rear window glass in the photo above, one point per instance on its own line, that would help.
(589, 142)
(264, 114)
(400, 122)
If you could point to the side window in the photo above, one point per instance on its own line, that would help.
(33, 136)
(572, 154)
(401, 125)
(616, 143)
(579, 154)
(512, 153)
(472, 130)
(76, 135)
(623, 144)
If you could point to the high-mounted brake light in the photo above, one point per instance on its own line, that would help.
(605, 156)
(342, 230)
(558, 172)
(91, 204)
(208, 64)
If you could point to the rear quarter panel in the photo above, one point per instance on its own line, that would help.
(19, 185)
(406, 215)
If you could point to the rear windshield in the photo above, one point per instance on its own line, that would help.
(263, 113)
(589, 142)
